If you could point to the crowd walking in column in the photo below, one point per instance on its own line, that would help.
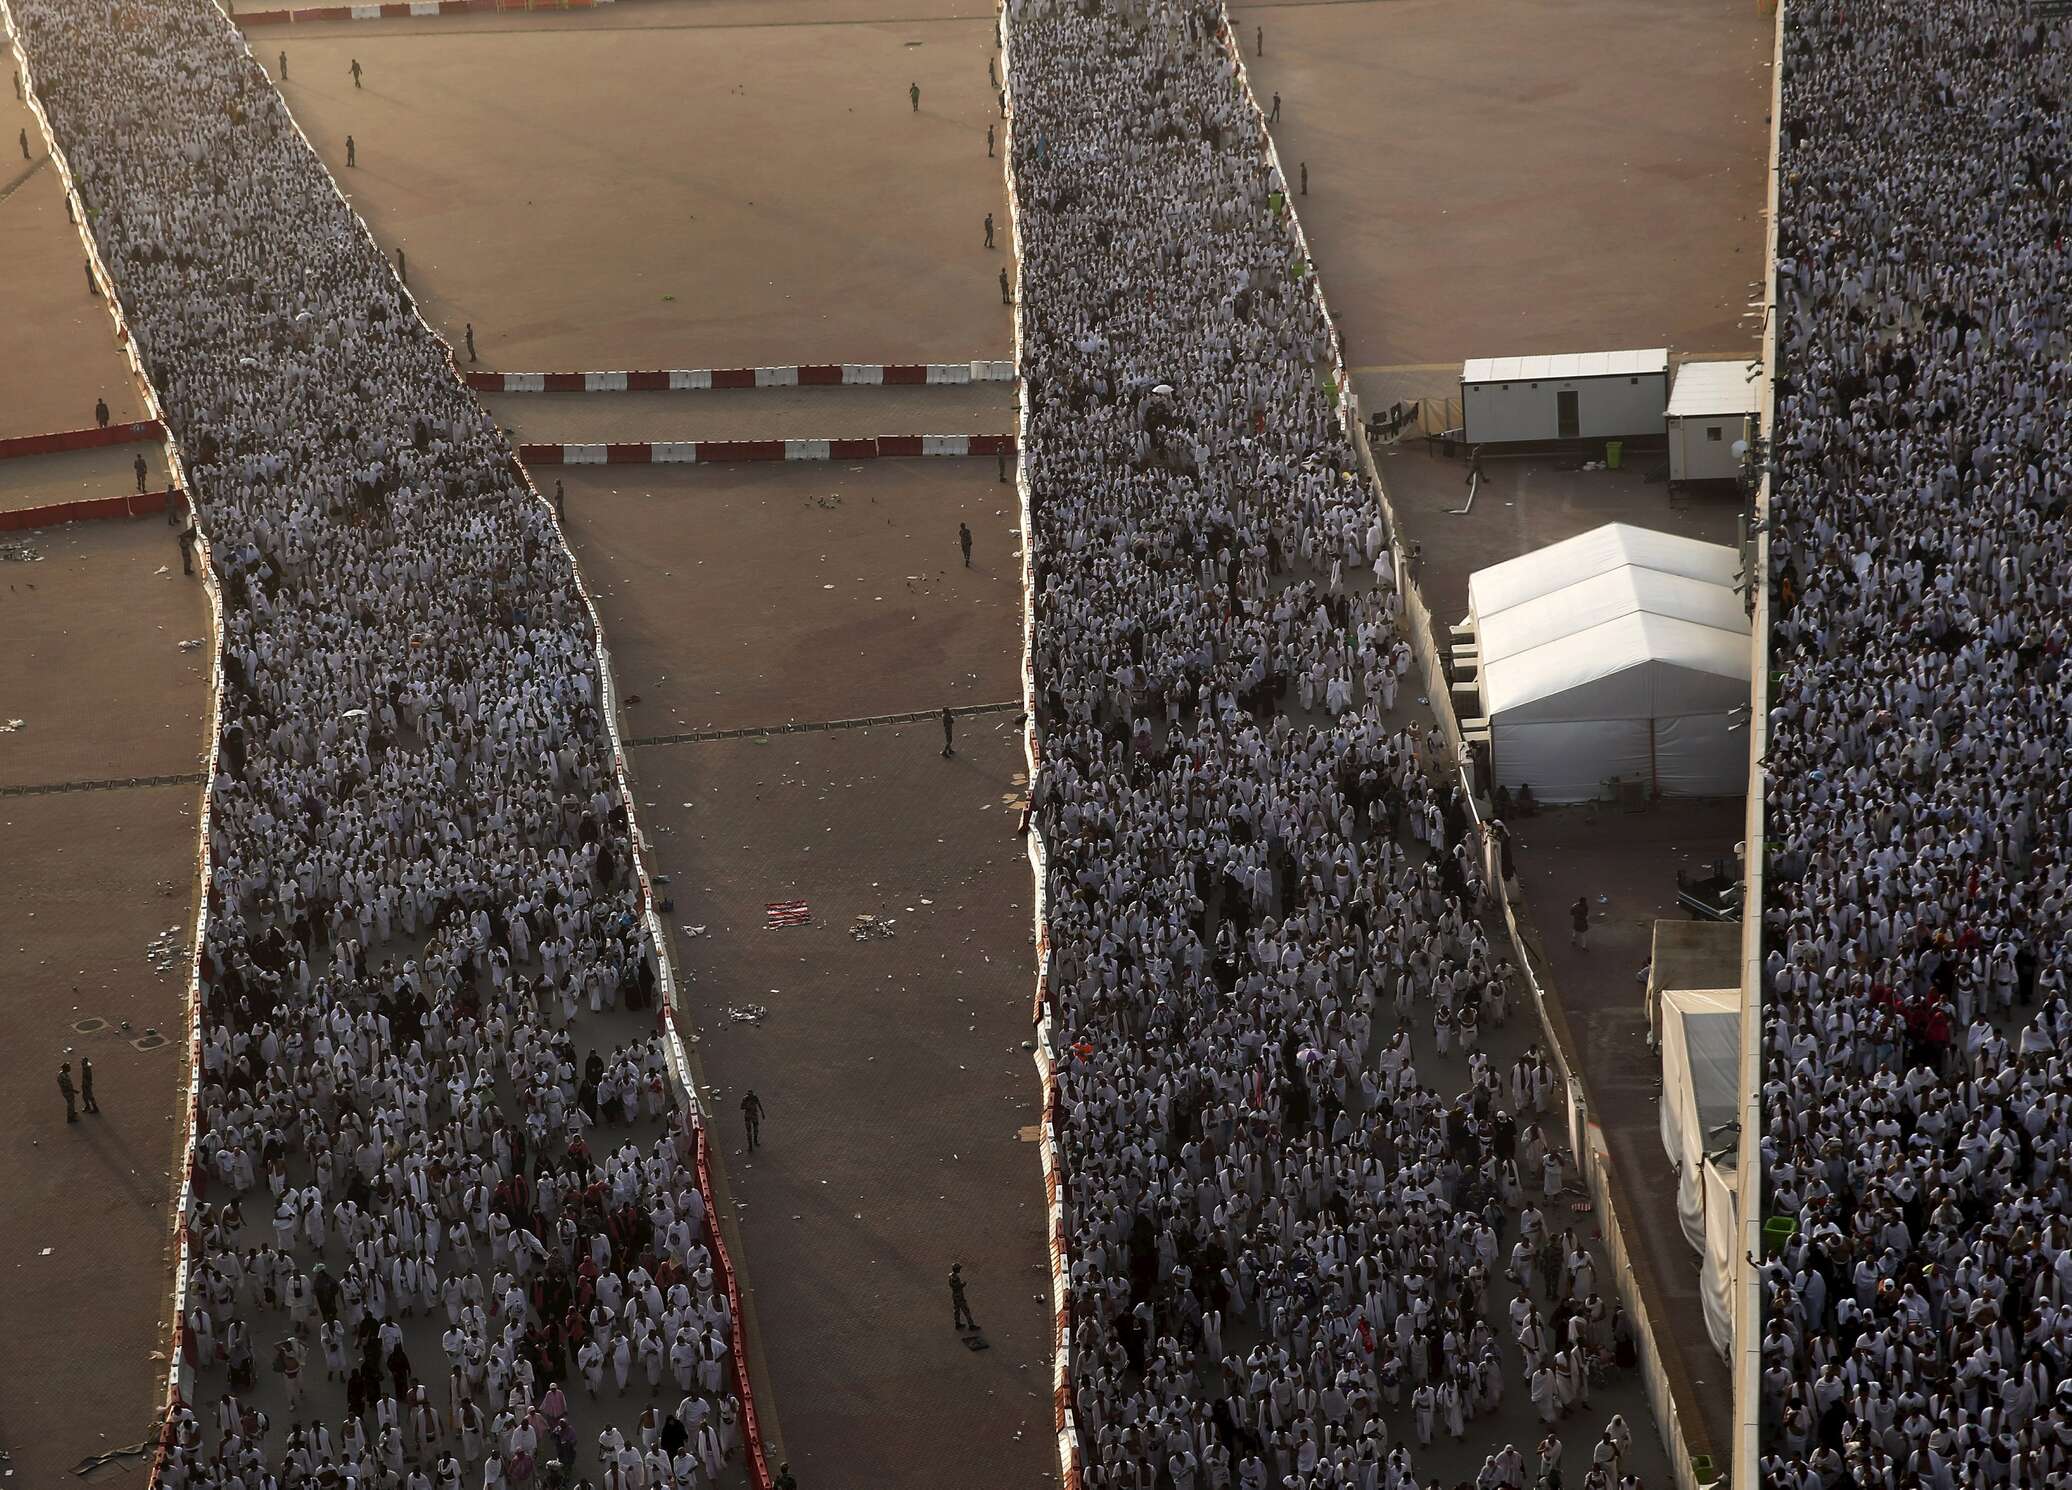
(1917, 1079)
(444, 1191)
(1313, 1224)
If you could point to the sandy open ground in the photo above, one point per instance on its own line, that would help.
(899, 1094)
(657, 193)
(1494, 179)
(755, 595)
(89, 878)
(57, 343)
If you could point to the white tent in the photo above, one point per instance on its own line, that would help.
(1618, 652)
(1701, 1064)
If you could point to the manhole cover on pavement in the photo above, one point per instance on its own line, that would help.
(150, 1040)
(88, 1026)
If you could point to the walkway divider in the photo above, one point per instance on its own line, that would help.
(89, 509)
(794, 375)
(716, 452)
(138, 432)
(404, 9)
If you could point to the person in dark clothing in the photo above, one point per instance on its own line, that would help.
(25, 146)
(71, 1094)
(960, 1307)
(1305, 178)
(989, 142)
(142, 471)
(284, 67)
(1259, 41)
(187, 550)
(560, 503)
(1275, 116)
(1579, 923)
(914, 94)
(352, 152)
(101, 412)
(356, 72)
(86, 1085)
(471, 343)
(948, 725)
(93, 286)
(989, 230)
(963, 541)
(1006, 294)
(752, 1119)
(402, 266)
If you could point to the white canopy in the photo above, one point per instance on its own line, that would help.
(1701, 1063)
(1617, 652)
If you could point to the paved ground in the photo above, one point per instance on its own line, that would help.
(783, 202)
(1491, 179)
(893, 1070)
(92, 663)
(1527, 504)
(90, 879)
(74, 475)
(57, 344)
(747, 595)
(759, 413)
(1632, 858)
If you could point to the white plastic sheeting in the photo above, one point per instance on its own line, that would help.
(1701, 1062)
(1619, 652)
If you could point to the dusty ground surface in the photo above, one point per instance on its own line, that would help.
(1492, 179)
(750, 595)
(57, 343)
(93, 664)
(758, 413)
(897, 1088)
(1527, 504)
(1631, 858)
(789, 207)
(90, 879)
(76, 475)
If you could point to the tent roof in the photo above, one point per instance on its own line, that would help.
(1712, 1041)
(1601, 603)
(1710, 389)
(1566, 366)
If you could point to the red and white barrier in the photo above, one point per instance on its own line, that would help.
(403, 9)
(798, 375)
(89, 509)
(136, 433)
(714, 452)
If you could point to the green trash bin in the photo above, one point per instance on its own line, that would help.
(1702, 1472)
(1614, 452)
(1777, 1231)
